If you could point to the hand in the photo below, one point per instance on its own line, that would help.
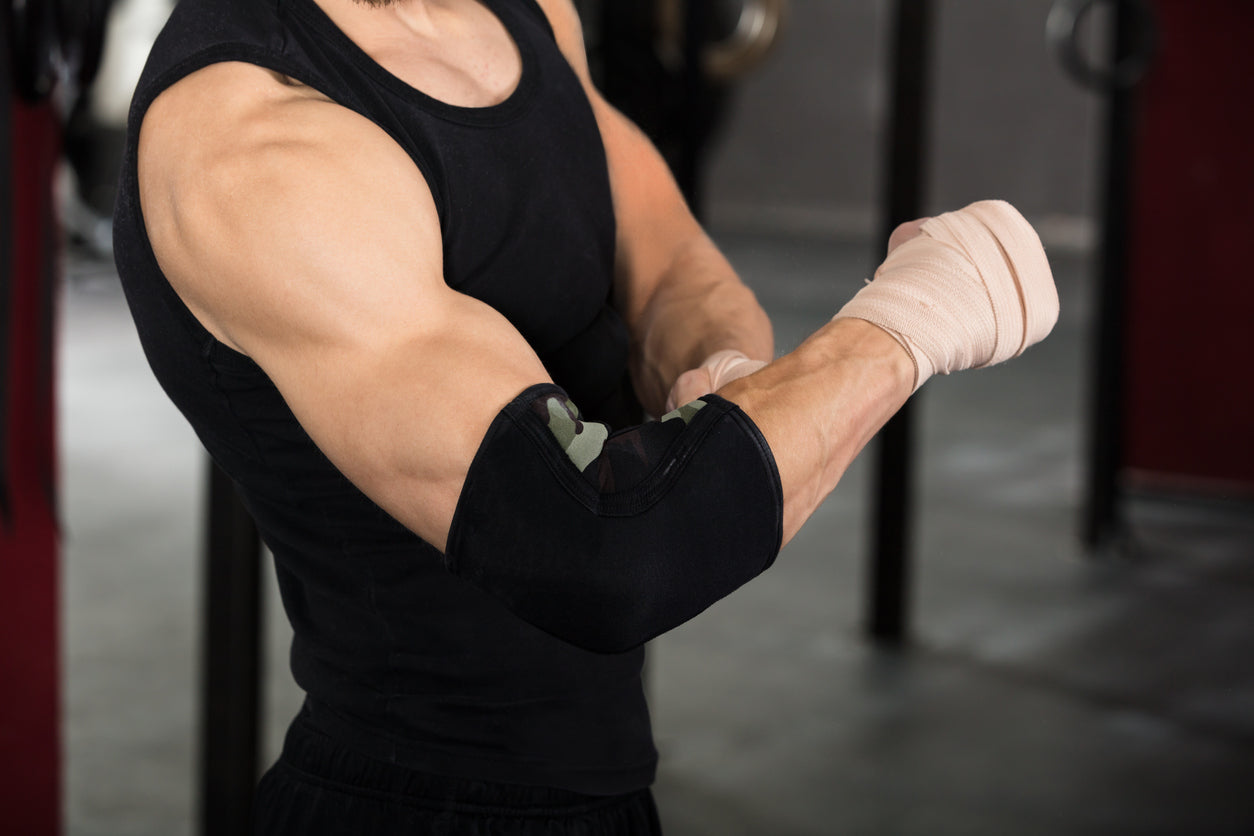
(963, 290)
(718, 370)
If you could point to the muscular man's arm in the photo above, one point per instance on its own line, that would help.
(302, 236)
(818, 406)
(681, 299)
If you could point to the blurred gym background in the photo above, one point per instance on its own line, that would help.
(1028, 610)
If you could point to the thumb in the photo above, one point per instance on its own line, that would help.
(689, 386)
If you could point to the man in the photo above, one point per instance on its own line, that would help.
(382, 254)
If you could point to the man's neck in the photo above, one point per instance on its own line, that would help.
(454, 50)
(379, 18)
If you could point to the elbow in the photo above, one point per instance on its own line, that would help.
(607, 570)
(628, 580)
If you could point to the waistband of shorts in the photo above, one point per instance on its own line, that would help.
(326, 760)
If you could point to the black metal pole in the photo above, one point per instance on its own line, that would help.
(1102, 525)
(230, 726)
(6, 267)
(688, 169)
(889, 575)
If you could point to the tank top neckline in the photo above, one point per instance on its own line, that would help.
(514, 105)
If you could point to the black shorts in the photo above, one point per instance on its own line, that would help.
(320, 788)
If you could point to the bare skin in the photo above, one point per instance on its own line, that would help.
(329, 272)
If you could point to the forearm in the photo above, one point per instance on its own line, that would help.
(699, 307)
(819, 405)
(963, 290)
(648, 527)
(607, 539)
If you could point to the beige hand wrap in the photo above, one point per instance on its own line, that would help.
(722, 367)
(972, 289)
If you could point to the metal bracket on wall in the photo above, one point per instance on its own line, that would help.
(739, 36)
(1134, 55)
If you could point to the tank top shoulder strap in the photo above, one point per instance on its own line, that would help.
(203, 32)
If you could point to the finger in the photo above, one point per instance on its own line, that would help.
(689, 386)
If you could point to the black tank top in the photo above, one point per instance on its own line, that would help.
(401, 660)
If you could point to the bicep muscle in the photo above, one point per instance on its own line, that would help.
(305, 238)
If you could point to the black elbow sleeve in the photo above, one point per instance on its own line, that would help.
(606, 540)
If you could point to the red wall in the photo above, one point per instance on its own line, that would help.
(1190, 375)
(30, 715)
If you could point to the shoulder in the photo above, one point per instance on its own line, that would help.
(235, 120)
(247, 180)
(567, 29)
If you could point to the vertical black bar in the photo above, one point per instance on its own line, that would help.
(232, 663)
(889, 575)
(7, 265)
(1102, 524)
(688, 168)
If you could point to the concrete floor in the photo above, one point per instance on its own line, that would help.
(1043, 693)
